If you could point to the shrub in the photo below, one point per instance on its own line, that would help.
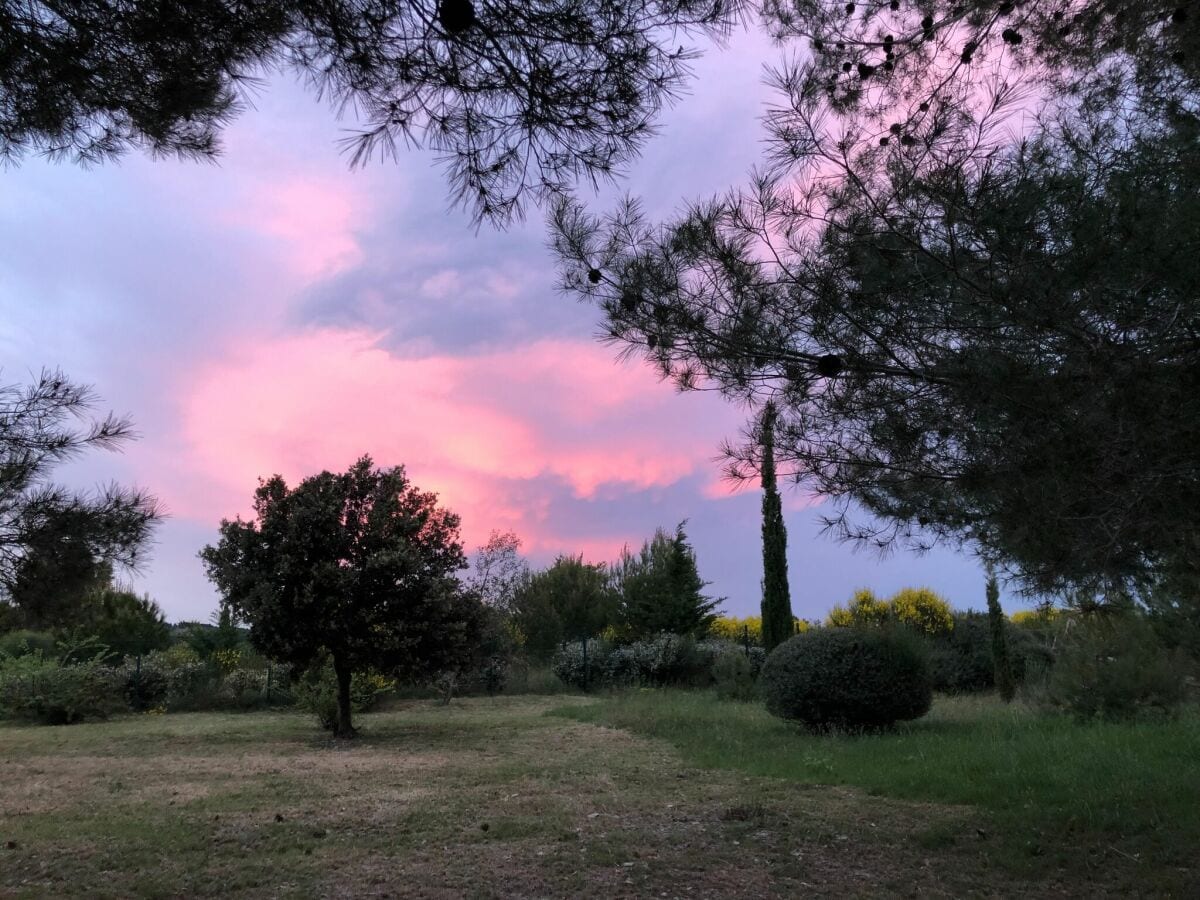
(24, 642)
(737, 631)
(922, 610)
(1114, 667)
(865, 610)
(35, 688)
(852, 679)
(143, 684)
(733, 677)
(960, 661)
(316, 692)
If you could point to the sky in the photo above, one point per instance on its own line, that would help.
(278, 312)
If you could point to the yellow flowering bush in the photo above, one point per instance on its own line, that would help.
(1040, 617)
(865, 609)
(922, 610)
(227, 660)
(731, 628)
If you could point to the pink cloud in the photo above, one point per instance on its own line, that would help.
(495, 435)
(313, 219)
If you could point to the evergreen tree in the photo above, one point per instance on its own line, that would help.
(778, 623)
(516, 96)
(976, 334)
(1000, 660)
(661, 589)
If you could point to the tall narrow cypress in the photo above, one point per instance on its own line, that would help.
(777, 622)
(1000, 662)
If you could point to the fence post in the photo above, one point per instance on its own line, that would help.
(268, 684)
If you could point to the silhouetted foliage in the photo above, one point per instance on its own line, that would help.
(660, 589)
(356, 566)
(777, 625)
(513, 96)
(499, 571)
(976, 338)
(57, 544)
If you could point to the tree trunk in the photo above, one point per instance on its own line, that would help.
(344, 728)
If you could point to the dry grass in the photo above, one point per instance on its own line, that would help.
(486, 798)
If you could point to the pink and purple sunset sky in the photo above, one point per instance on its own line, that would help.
(278, 312)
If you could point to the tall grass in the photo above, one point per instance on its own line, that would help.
(1045, 782)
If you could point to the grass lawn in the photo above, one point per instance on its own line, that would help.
(1115, 806)
(495, 798)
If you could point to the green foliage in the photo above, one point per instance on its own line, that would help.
(848, 679)
(777, 616)
(665, 659)
(23, 642)
(223, 634)
(316, 692)
(998, 625)
(128, 625)
(660, 589)
(733, 677)
(569, 601)
(58, 691)
(960, 661)
(357, 567)
(1112, 667)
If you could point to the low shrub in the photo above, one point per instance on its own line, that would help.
(23, 642)
(36, 688)
(315, 692)
(848, 679)
(733, 677)
(1113, 667)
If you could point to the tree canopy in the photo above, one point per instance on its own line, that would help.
(516, 96)
(660, 589)
(569, 601)
(58, 544)
(355, 566)
(977, 333)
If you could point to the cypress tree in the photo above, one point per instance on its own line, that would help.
(1000, 662)
(777, 622)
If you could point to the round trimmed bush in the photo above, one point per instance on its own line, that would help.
(850, 679)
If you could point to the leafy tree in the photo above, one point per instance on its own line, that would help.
(57, 544)
(776, 599)
(1005, 683)
(978, 340)
(357, 567)
(570, 601)
(499, 571)
(222, 634)
(660, 589)
(514, 96)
